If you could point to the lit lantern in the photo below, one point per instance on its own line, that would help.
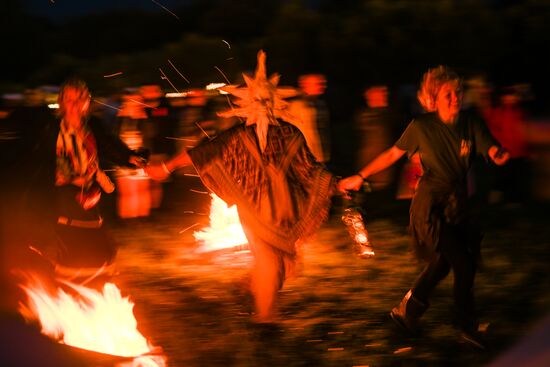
(134, 196)
(354, 221)
(133, 185)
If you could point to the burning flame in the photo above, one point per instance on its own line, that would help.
(92, 320)
(225, 229)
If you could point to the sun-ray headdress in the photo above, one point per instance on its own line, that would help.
(261, 101)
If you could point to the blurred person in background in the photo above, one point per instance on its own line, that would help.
(446, 140)
(67, 184)
(375, 125)
(131, 116)
(189, 120)
(507, 122)
(134, 197)
(264, 167)
(156, 130)
(478, 96)
(312, 115)
(478, 100)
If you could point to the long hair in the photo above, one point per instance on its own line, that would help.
(432, 81)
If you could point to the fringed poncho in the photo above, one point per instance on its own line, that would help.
(282, 194)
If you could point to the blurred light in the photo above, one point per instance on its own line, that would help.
(13, 96)
(215, 86)
(176, 95)
(53, 105)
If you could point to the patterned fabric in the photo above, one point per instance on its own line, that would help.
(282, 194)
(77, 164)
(76, 157)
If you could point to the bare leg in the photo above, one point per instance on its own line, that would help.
(267, 279)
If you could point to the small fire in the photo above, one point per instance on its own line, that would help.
(98, 321)
(225, 229)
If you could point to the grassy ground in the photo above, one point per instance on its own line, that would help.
(335, 311)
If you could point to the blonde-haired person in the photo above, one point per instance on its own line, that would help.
(447, 140)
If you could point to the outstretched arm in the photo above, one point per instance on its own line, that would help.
(380, 163)
(178, 161)
(162, 171)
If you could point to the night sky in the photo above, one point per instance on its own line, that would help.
(47, 39)
(59, 10)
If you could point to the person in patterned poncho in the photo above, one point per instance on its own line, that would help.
(264, 167)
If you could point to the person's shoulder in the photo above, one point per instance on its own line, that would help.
(425, 118)
(424, 121)
(231, 132)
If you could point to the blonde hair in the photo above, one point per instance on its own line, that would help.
(432, 81)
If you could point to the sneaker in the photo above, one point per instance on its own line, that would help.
(401, 322)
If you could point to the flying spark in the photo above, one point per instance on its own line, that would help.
(175, 68)
(221, 72)
(227, 43)
(188, 228)
(174, 138)
(111, 75)
(107, 105)
(199, 192)
(141, 103)
(163, 76)
(227, 80)
(162, 6)
(204, 132)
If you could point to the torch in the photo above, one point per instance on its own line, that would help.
(353, 219)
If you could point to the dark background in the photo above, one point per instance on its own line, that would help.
(355, 43)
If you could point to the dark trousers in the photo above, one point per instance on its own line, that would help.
(456, 255)
(85, 247)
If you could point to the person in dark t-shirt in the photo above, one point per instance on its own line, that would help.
(447, 140)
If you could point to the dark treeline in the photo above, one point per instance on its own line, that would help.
(355, 43)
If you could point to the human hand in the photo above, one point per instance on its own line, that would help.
(499, 155)
(350, 183)
(137, 161)
(157, 171)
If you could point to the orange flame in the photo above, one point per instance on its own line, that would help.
(225, 229)
(98, 321)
